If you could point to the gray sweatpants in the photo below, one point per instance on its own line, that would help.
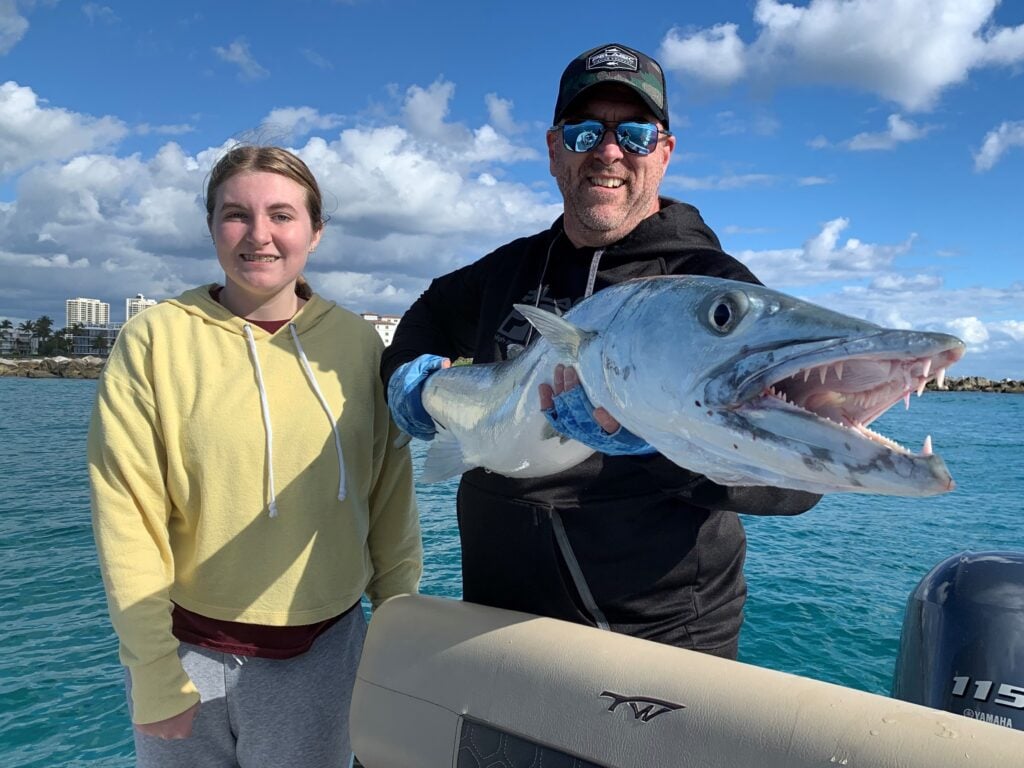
(258, 713)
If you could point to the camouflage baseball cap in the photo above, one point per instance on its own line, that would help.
(614, 63)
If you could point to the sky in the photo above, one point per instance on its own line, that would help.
(867, 155)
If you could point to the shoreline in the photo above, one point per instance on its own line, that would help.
(89, 367)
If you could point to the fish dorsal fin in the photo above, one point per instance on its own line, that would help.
(444, 458)
(562, 334)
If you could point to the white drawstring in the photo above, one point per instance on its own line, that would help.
(592, 276)
(327, 410)
(265, 408)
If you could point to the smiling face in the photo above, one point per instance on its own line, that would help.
(263, 232)
(607, 191)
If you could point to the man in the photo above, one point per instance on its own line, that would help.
(629, 542)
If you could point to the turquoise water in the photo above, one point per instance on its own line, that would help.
(827, 589)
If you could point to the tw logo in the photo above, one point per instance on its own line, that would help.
(643, 708)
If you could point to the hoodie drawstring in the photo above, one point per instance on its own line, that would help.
(265, 408)
(595, 262)
(327, 410)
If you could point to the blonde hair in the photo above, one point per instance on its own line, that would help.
(247, 158)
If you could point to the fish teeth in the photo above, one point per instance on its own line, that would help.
(823, 372)
(807, 374)
(920, 387)
(940, 378)
(927, 367)
(839, 370)
(926, 449)
(906, 400)
(878, 438)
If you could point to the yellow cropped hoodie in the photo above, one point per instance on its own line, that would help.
(246, 476)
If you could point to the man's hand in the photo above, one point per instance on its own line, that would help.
(569, 410)
(565, 380)
(405, 390)
(177, 727)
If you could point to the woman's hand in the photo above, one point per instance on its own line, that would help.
(177, 727)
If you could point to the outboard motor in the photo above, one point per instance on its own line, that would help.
(962, 647)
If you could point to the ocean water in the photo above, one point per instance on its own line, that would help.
(827, 588)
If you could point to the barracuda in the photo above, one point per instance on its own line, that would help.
(738, 382)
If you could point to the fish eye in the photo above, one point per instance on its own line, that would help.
(725, 311)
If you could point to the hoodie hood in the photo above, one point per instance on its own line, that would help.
(673, 241)
(200, 303)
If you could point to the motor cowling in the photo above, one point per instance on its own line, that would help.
(962, 645)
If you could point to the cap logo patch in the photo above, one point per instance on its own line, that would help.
(612, 58)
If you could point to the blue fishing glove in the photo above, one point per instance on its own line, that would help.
(405, 389)
(573, 415)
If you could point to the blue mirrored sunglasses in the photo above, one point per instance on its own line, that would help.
(633, 137)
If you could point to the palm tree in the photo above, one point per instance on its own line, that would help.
(59, 343)
(43, 327)
(5, 328)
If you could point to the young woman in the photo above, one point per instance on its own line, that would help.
(247, 492)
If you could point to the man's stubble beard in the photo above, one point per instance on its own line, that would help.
(600, 226)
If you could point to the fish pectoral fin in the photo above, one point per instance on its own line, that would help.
(444, 459)
(562, 334)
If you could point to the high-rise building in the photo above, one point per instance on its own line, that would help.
(385, 325)
(87, 312)
(132, 307)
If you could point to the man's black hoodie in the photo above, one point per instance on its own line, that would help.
(659, 549)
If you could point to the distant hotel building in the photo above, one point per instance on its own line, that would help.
(132, 307)
(87, 312)
(384, 325)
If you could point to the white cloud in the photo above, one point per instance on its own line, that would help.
(823, 259)
(13, 26)
(906, 51)
(426, 108)
(1012, 328)
(899, 131)
(970, 329)
(996, 144)
(238, 53)
(31, 132)
(286, 124)
(316, 59)
(100, 13)
(424, 113)
(57, 261)
(499, 111)
(404, 207)
(716, 55)
(893, 282)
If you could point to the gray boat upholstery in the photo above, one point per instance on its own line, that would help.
(448, 684)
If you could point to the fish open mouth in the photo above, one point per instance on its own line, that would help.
(852, 391)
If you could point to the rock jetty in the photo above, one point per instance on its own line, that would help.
(53, 367)
(981, 384)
